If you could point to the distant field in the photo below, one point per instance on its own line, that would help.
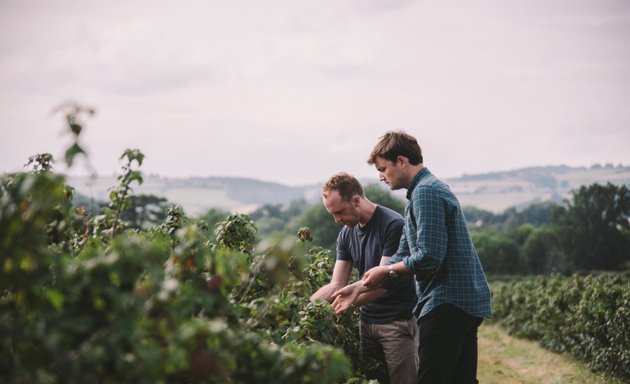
(197, 200)
(497, 192)
(498, 202)
(580, 177)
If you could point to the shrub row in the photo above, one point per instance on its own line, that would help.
(586, 316)
(84, 302)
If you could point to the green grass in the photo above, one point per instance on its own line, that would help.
(504, 359)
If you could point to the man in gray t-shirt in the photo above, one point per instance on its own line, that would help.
(370, 236)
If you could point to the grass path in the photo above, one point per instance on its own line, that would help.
(504, 359)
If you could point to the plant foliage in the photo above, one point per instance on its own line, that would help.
(586, 316)
(92, 299)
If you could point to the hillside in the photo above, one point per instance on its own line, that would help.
(500, 190)
(491, 191)
(197, 195)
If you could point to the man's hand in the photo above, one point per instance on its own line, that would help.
(374, 277)
(346, 297)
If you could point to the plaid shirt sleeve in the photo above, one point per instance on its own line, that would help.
(403, 247)
(428, 231)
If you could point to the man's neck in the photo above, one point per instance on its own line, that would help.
(367, 211)
(413, 171)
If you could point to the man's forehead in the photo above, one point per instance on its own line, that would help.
(332, 196)
(335, 202)
(380, 161)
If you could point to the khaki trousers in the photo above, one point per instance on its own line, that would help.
(392, 346)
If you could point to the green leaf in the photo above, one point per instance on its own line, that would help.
(72, 152)
(55, 298)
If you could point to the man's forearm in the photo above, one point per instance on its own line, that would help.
(325, 292)
(369, 296)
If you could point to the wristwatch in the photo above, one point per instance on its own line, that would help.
(390, 271)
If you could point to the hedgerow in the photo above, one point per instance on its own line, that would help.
(88, 299)
(155, 306)
(586, 316)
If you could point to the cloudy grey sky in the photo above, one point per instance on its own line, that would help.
(295, 90)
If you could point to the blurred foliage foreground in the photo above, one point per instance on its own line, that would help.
(87, 299)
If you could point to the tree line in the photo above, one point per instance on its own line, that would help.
(590, 231)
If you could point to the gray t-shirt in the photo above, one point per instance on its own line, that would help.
(364, 248)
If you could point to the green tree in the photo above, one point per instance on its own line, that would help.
(498, 253)
(543, 252)
(478, 217)
(271, 219)
(381, 196)
(521, 233)
(535, 214)
(597, 228)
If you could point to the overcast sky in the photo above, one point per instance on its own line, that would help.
(294, 91)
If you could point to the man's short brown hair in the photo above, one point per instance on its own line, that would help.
(394, 144)
(345, 184)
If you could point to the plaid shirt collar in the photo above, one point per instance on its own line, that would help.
(416, 179)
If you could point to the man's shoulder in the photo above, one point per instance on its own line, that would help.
(430, 180)
(388, 214)
(431, 184)
(433, 188)
(389, 222)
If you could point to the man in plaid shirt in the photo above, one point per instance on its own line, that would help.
(436, 247)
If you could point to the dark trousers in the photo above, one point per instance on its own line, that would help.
(448, 346)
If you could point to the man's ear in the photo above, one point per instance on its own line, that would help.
(356, 200)
(402, 161)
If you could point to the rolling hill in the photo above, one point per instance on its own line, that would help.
(494, 191)
(518, 188)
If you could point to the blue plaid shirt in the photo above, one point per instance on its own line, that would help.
(436, 247)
